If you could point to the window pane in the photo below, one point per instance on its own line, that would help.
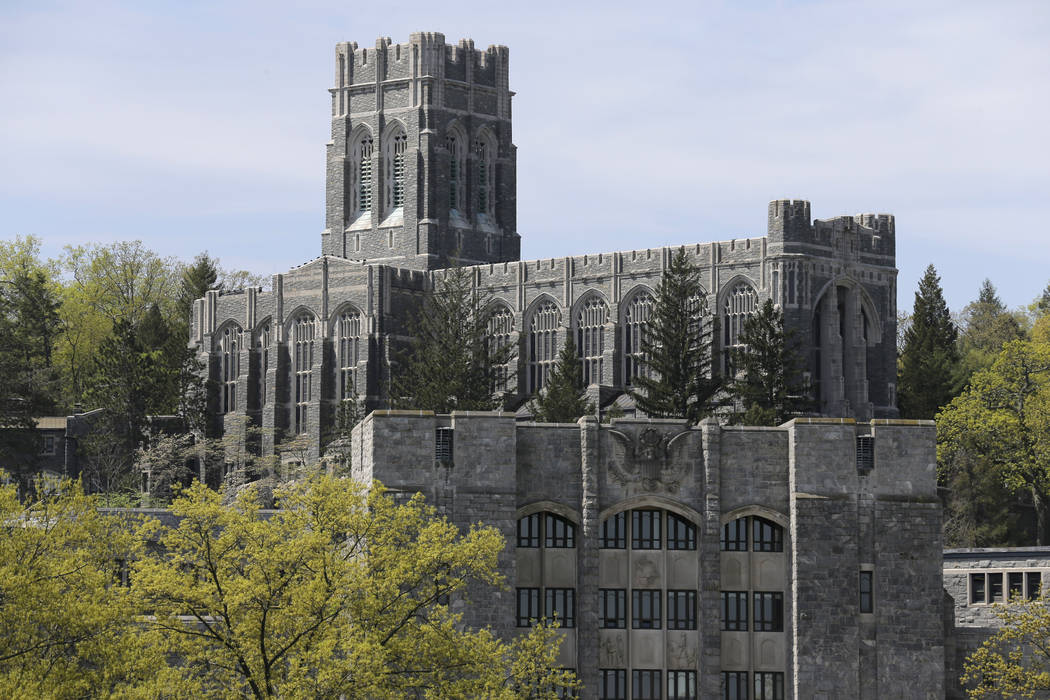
(681, 610)
(734, 685)
(614, 532)
(976, 588)
(681, 685)
(734, 536)
(645, 685)
(528, 606)
(560, 532)
(613, 684)
(612, 612)
(995, 587)
(769, 686)
(681, 534)
(768, 536)
(645, 529)
(867, 600)
(734, 611)
(645, 610)
(1035, 584)
(1016, 582)
(769, 612)
(561, 603)
(529, 531)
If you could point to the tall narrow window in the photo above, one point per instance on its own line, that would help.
(543, 346)
(645, 529)
(734, 685)
(528, 606)
(613, 684)
(768, 611)
(485, 152)
(635, 320)
(681, 610)
(614, 532)
(681, 685)
(681, 534)
(455, 172)
(560, 604)
(264, 361)
(397, 145)
(645, 685)
(303, 356)
(362, 160)
(734, 611)
(612, 608)
(349, 334)
(769, 685)
(231, 368)
(767, 536)
(500, 328)
(645, 609)
(738, 305)
(867, 594)
(590, 339)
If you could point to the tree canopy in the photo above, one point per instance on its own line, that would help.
(562, 399)
(1015, 661)
(929, 360)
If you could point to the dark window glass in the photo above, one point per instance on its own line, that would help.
(681, 534)
(443, 444)
(767, 536)
(681, 685)
(734, 536)
(769, 686)
(645, 685)
(529, 531)
(560, 532)
(613, 684)
(1016, 582)
(867, 598)
(768, 611)
(645, 529)
(734, 611)
(614, 532)
(995, 588)
(561, 603)
(976, 588)
(645, 610)
(734, 685)
(681, 610)
(528, 606)
(1035, 584)
(612, 608)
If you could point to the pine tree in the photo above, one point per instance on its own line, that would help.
(562, 399)
(680, 381)
(986, 327)
(768, 386)
(121, 383)
(197, 279)
(928, 365)
(450, 363)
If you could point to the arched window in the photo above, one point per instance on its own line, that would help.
(590, 338)
(362, 173)
(454, 143)
(484, 149)
(543, 344)
(303, 362)
(752, 533)
(263, 346)
(635, 323)
(349, 337)
(231, 368)
(737, 306)
(549, 531)
(397, 145)
(500, 328)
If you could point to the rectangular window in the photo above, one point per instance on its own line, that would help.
(529, 531)
(734, 536)
(867, 596)
(443, 444)
(976, 588)
(645, 610)
(734, 611)
(645, 529)
(48, 445)
(560, 533)
(681, 610)
(1016, 582)
(681, 685)
(645, 685)
(769, 686)
(865, 453)
(561, 603)
(1035, 584)
(613, 684)
(528, 606)
(767, 536)
(769, 612)
(995, 587)
(614, 532)
(734, 685)
(612, 608)
(681, 534)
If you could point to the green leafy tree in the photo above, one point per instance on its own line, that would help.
(928, 367)
(340, 593)
(1015, 661)
(450, 363)
(679, 381)
(562, 399)
(986, 326)
(768, 387)
(122, 383)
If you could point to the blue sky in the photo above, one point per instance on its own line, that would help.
(201, 125)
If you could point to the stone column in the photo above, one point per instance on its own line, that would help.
(587, 553)
(831, 385)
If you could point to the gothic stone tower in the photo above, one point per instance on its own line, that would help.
(421, 167)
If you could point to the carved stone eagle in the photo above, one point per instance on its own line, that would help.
(649, 461)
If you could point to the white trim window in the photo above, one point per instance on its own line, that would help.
(500, 330)
(635, 326)
(362, 173)
(303, 357)
(590, 338)
(349, 335)
(397, 146)
(738, 305)
(543, 344)
(231, 368)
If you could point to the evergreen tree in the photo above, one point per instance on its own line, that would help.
(197, 279)
(928, 365)
(986, 327)
(121, 383)
(450, 363)
(562, 399)
(680, 381)
(768, 387)
(1042, 304)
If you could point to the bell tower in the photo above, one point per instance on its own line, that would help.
(421, 165)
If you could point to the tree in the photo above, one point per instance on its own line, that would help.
(68, 629)
(986, 327)
(928, 364)
(562, 399)
(199, 277)
(768, 385)
(1003, 418)
(1015, 661)
(450, 363)
(680, 381)
(342, 592)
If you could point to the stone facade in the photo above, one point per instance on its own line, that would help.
(826, 519)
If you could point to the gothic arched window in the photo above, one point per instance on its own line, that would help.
(590, 340)
(737, 306)
(231, 368)
(635, 323)
(349, 338)
(303, 362)
(543, 344)
(397, 145)
(362, 173)
(485, 151)
(454, 143)
(263, 345)
(500, 328)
